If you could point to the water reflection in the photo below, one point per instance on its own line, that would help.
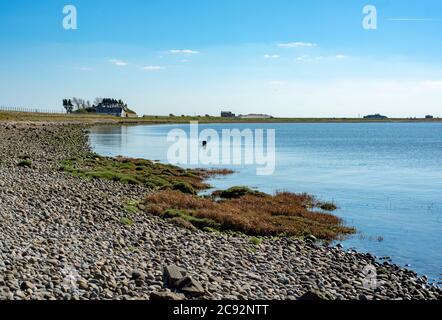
(113, 139)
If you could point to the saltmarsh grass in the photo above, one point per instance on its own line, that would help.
(252, 214)
(152, 175)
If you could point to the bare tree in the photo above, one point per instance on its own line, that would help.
(77, 103)
(98, 101)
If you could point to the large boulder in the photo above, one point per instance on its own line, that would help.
(176, 278)
(172, 274)
(190, 287)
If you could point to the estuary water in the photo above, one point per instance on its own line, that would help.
(386, 178)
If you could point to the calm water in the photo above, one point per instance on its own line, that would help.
(386, 178)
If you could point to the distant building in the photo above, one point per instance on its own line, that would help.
(111, 110)
(227, 114)
(116, 108)
(429, 117)
(375, 116)
(255, 116)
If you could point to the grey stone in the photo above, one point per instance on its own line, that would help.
(164, 296)
(25, 285)
(172, 274)
(190, 287)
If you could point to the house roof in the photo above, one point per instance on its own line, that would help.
(115, 109)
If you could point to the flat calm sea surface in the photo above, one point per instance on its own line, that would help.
(385, 177)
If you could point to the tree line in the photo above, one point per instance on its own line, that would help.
(78, 105)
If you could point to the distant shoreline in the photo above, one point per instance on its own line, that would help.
(101, 119)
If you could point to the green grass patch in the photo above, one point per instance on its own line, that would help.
(132, 206)
(199, 223)
(255, 241)
(127, 221)
(152, 175)
(236, 193)
(183, 187)
(210, 230)
(25, 164)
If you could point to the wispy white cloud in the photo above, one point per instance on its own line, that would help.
(183, 51)
(83, 69)
(297, 45)
(152, 68)
(118, 63)
(302, 58)
(272, 56)
(309, 58)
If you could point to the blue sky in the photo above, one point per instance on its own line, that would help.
(283, 57)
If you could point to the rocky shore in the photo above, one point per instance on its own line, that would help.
(63, 237)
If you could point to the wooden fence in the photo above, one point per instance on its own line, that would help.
(32, 110)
